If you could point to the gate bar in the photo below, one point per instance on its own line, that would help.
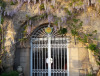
(49, 55)
(67, 60)
(31, 59)
(36, 39)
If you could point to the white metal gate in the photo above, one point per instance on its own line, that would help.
(49, 56)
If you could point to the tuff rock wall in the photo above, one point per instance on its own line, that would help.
(14, 19)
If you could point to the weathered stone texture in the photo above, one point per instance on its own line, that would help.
(91, 21)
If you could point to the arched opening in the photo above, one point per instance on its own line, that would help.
(48, 55)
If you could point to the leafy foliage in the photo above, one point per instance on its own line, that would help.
(28, 17)
(98, 62)
(89, 34)
(92, 47)
(12, 3)
(95, 31)
(56, 22)
(2, 20)
(63, 31)
(75, 0)
(12, 73)
(79, 3)
(75, 27)
(85, 39)
(75, 20)
(67, 11)
(42, 15)
(23, 39)
(24, 31)
(0, 30)
(70, 4)
(74, 32)
(42, 7)
(36, 17)
(90, 74)
(2, 4)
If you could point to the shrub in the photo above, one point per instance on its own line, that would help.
(42, 7)
(12, 73)
(63, 31)
(93, 47)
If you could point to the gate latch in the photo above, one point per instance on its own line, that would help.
(49, 60)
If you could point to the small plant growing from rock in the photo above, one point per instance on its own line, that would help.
(2, 20)
(12, 73)
(42, 7)
(67, 11)
(93, 47)
(63, 31)
(76, 25)
(12, 3)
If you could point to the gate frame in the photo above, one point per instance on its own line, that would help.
(31, 59)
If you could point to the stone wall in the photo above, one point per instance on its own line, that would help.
(79, 62)
(13, 24)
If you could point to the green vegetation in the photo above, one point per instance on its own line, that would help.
(52, 6)
(74, 32)
(2, 20)
(56, 23)
(83, 39)
(12, 73)
(95, 31)
(28, 17)
(12, 3)
(93, 47)
(36, 17)
(42, 16)
(42, 7)
(67, 11)
(23, 39)
(24, 31)
(79, 3)
(0, 30)
(90, 74)
(63, 31)
(98, 63)
(70, 4)
(75, 27)
(2, 4)
(75, 0)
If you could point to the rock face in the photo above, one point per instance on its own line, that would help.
(14, 24)
(98, 73)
